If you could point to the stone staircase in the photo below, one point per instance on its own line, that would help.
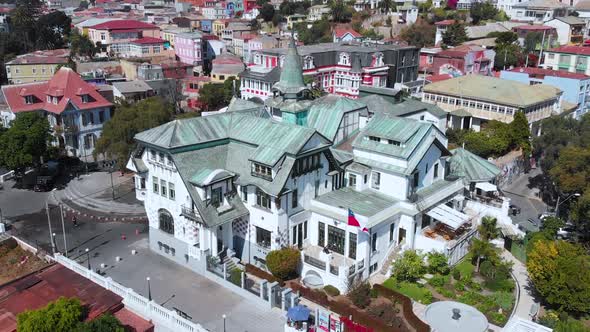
(393, 254)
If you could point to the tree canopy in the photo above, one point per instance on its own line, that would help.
(267, 12)
(341, 11)
(25, 141)
(65, 315)
(455, 35)
(81, 45)
(217, 95)
(419, 34)
(560, 272)
(318, 33)
(409, 267)
(481, 11)
(116, 140)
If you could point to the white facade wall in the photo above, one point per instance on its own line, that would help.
(563, 31)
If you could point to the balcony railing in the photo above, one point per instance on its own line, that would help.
(190, 213)
(314, 262)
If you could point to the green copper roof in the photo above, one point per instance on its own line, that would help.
(291, 82)
(326, 113)
(365, 203)
(473, 168)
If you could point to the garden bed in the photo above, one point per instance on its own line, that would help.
(491, 292)
(16, 262)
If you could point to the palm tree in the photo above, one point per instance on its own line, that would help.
(488, 228)
(386, 6)
(482, 249)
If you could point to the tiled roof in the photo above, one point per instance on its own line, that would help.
(582, 50)
(341, 32)
(65, 84)
(549, 72)
(533, 27)
(494, 90)
(123, 25)
(36, 59)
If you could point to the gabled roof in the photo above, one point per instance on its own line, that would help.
(291, 81)
(473, 168)
(123, 25)
(571, 20)
(327, 112)
(31, 59)
(132, 86)
(65, 84)
(341, 32)
(415, 139)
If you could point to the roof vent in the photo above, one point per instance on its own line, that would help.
(456, 314)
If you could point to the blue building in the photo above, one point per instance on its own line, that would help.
(575, 86)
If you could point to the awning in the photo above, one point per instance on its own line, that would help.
(448, 216)
(486, 186)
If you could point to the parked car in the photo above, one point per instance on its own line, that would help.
(514, 209)
(566, 231)
(47, 176)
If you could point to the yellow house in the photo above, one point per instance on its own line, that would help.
(218, 27)
(169, 34)
(226, 66)
(32, 67)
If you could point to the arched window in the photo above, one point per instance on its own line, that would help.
(344, 59)
(166, 221)
(308, 63)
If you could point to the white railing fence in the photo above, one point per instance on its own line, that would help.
(135, 302)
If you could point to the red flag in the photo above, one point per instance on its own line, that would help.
(352, 221)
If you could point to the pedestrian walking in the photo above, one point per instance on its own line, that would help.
(75, 221)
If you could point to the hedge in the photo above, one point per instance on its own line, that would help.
(255, 271)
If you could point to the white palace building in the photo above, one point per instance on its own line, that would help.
(261, 177)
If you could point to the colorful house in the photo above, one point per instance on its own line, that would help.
(120, 31)
(189, 48)
(75, 109)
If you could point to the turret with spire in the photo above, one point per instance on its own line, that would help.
(292, 97)
(291, 84)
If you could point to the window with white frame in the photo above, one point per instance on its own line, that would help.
(376, 180)
(163, 191)
(171, 191)
(344, 59)
(156, 185)
(351, 180)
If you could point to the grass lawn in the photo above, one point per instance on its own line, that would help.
(412, 290)
(465, 267)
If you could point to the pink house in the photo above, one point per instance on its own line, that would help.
(188, 47)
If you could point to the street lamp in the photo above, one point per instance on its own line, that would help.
(149, 288)
(88, 258)
(54, 243)
(223, 322)
(559, 203)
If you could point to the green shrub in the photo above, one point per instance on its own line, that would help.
(503, 300)
(571, 325)
(437, 281)
(459, 286)
(474, 286)
(359, 294)
(427, 297)
(235, 276)
(445, 292)
(283, 263)
(505, 285)
(550, 319)
(331, 290)
(471, 298)
(487, 270)
(409, 267)
(62, 315)
(438, 263)
(497, 318)
(374, 293)
(456, 274)
(387, 312)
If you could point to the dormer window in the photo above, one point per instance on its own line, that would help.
(392, 142)
(55, 100)
(344, 59)
(84, 99)
(262, 171)
(374, 139)
(49, 99)
(29, 100)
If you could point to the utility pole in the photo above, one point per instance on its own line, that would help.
(50, 231)
(112, 186)
(63, 226)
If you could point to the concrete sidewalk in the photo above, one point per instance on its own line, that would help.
(525, 298)
(93, 192)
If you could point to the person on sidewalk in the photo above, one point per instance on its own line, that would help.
(75, 221)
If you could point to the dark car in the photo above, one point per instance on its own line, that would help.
(514, 209)
(47, 176)
(44, 183)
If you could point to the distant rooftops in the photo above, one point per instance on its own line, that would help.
(541, 72)
(123, 25)
(581, 50)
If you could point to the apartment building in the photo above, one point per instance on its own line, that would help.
(120, 31)
(35, 67)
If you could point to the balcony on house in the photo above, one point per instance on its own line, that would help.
(190, 213)
(330, 261)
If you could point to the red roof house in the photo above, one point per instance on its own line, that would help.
(341, 35)
(65, 89)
